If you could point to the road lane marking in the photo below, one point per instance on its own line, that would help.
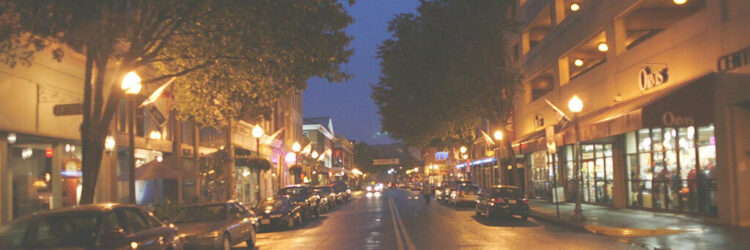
(394, 210)
(395, 226)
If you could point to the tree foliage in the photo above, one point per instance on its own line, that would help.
(231, 58)
(445, 70)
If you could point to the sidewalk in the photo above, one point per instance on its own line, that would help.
(645, 228)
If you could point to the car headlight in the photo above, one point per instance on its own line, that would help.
(268, 211)
(214, 234)
(369, 188)
(348, 191)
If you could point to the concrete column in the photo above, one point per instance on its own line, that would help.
(56, 176)
(619, 174)
(6, 187)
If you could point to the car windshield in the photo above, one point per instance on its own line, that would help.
(505, 192)
(274, 204)
(290, 191)
(322, 190)
(189, 214)
(66, 230)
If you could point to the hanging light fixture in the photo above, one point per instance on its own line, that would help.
(602, 46)
(12, 138)
(575, 7)
(578, 62)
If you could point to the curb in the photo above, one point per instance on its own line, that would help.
(611, 231)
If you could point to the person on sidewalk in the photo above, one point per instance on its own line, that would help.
(426, 192)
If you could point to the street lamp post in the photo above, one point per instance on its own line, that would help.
(576, 105)
(258, 133)
(131, 84)
(498, 135)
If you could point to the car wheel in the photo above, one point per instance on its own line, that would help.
(299, 220)
(290, 222)
(476, 211)
(317, 212)
(226, 244)
(488, 213)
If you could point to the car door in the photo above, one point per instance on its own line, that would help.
(238, 224)
(139, 229)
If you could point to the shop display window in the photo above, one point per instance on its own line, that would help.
(672, 169)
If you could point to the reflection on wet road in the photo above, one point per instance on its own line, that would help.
(400, 219)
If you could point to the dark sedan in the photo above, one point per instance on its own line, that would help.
(279, 211)
(216, 225)
(303, 196)
(327, 195)
(503, 200)
(99, 226)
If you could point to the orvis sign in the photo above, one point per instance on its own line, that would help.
(648, 79)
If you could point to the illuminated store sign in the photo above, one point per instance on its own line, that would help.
(734, 60)
(648, 79)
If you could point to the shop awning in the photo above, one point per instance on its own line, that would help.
(685, 105)
(168, 168)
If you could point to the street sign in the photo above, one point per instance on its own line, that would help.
(68, 109)
(380, 162)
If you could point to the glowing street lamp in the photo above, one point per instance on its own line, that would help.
(132, 85)
(257, 134)
(462, 149)
(498, 135)
(296, 147)
(314, 154)
(679, 2)
(576, 105)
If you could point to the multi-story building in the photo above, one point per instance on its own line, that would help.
(666, 103)
(40, 153)
(319, 132)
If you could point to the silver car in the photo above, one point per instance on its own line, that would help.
(216, 225)
(464, 193)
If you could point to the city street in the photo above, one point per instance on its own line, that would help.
(396, 220)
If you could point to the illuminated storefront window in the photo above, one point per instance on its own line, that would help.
(672, 169)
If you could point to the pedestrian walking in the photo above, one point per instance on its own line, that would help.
(426, 192)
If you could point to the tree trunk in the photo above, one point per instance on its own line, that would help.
(95, 125)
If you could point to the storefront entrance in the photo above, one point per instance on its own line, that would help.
(672, 169)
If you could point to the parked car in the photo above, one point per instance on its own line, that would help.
(393, 184)
(342, 190)
(279, 211)
(218, 225)
(98, 226)
(417, 186)
(303, 196)
(327, 195)
(503, 200)
(464, 193)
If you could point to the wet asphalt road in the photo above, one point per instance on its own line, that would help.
(397, 219)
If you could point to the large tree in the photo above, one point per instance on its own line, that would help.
(447, 69)
(229, 57)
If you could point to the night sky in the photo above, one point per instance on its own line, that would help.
(349, 103)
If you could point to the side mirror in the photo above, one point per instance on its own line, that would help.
(114, 235)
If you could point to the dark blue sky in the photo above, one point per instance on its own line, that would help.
(349, 103)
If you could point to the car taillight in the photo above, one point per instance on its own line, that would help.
(499, 200)
(525, 201)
